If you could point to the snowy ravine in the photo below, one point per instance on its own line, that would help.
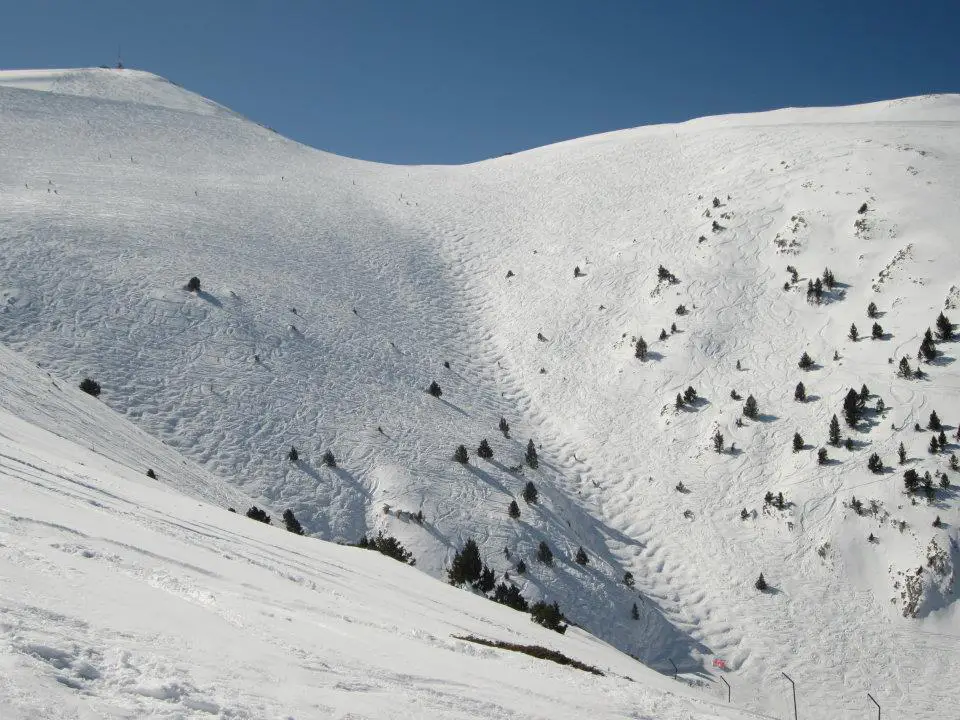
(334, 291)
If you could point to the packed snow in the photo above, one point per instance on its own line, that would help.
(334, 291)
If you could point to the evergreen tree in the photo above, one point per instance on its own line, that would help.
(934, 422)
(484, 451)
(530, 494)
(641, 349)
(531, 457)
(635, 614)
(937, 522)
(434, 389)
(854, 334)
(864, 395)
(582, 558)
(834, 436)
(673, 328)
(851, 408)
(255, 513)
(467, 566)
(872, 310)
(902, 454)
(934, 446)
(874, 464)
(876, 332)
(927, 351)
(678, 403)
(329, 460)
(806, 362)
(628, 579)
(848, 444)
(663, 334)
(151, 474)
(944, 327)
(689, 394)
(828, 278)
(954, 463)
(911, 480)
(761, 584)
(291, 522)
(90, 387)
(818, 290)
(521, 567)
(822, 456)
(487, 581)
(544, 553)
(193, 284)
(797, 442)
(904, 368)
(504, 427)
(800, 394)
(293, 455)
(942, 439)
(744, 514)
(510, 596)
(717, 441)
(513, 510)
(460, 455)
(750, 407)
(549, 616)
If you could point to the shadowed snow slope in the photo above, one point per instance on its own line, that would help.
(334, 291)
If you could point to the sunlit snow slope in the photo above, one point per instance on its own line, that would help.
(333, 292)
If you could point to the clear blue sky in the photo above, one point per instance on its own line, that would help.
(449, 81)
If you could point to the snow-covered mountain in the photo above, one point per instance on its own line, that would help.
(334, 291)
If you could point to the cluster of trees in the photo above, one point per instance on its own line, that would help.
(389, 546)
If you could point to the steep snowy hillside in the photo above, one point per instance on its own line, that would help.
(334, 291)
(120, 598)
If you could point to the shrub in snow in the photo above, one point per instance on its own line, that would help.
(681, 310)
(255, 513)
(581, 557)
(513, 510)
(90, 387)
(628, 579)
(434, 389)
(151, 474)
(460, 455)
(329, 460)
(293, 455)
(193, 284)
(389, 546)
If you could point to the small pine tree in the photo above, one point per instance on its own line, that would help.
(822, 456)
(718, 441)
(329, 460)
(834, 431)
(848, 444)
(255, 513)
(854, 334)
(872, 310)
(864, 395)
(800, 394)
(521, 567)
(673, 328)
(635, 614)
(851, 408)
(544, 553)
(902, 454)
(954, 463)
(944, 327)
(874, 463)
(689, 394)
(293, 456)
(678, 403)
(581, 557)
(934, 422)
(486, 581)
(903, 370)
(513, 510)
(641, 349)
(434, 389)
(484, 451)
(934, 446)
(663, 335)
(460, 455)
(750, 408)
(193, 284)
(510, 596)
(797, 442)
(151, 474)
(806, 362)
(505, 427)
(576, 271)
(942, 439)
(531, 457)
(744, 514)
(90, 387)
(549, 616)
(291, 522)
(911, 480)
(466, 566)
(937, 522)
(761, 584)
(530, 494)
(876, 332)
(628, 579)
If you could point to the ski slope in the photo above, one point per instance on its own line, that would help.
(333, 292)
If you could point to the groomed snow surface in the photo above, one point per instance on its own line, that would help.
(334, 291)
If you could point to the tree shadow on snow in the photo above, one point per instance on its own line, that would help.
(454, 407)
(766, 418)
(207, 297)
(487, 477)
